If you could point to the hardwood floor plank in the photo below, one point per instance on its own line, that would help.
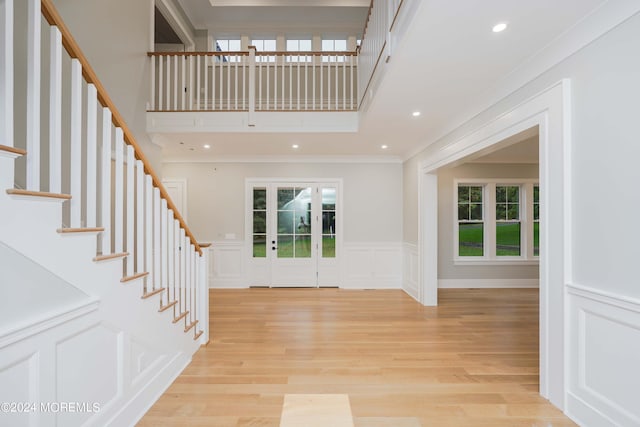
(471, 361)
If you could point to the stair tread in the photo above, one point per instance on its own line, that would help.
(149, 294)
(180, 316)
(196, 336)
(134, 277)
(44, 194)
(14, 150)
(190, 325)
(167, 307)
(99, 258)
(70, 230)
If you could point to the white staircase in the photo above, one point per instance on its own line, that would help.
(103, 288)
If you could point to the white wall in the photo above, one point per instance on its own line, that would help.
(372, 210)
(601, 274)
(447, 270)
(372, 200)
(115, 36)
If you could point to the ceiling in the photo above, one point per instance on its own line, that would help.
(448, 61)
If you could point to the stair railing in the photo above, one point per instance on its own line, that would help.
(95, 162)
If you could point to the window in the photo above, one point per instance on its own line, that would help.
(259, 222)
(507, 220)
(228, 45)
(470, 221)
(496, 220)
(333, 46)
(298, 46)
(264, 45)
(536, 220)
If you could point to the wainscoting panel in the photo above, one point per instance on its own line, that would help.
(227, 265)
(604, 357)
(411, 271)
(372, 266)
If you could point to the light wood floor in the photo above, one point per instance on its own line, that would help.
(472, 361)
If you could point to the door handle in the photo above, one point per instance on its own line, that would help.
(273, 248)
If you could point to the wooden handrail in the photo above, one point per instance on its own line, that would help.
(52, 16)
(245, 53)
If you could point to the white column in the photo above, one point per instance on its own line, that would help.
(152, 83)
(33, 94)
(75, 163)
(55, 112)
(171, 251)
(176, 259)
(183, 276)
(203, 289)
(92, 162)
(105, 187)
(6, 73)
(252, 85)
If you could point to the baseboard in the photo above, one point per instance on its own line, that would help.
(584, 414)
(145, 398)
(488, 283)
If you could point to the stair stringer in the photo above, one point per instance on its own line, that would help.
(121, 322)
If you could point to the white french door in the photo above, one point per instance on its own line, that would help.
(295, 238)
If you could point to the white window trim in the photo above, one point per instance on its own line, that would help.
(489, 219)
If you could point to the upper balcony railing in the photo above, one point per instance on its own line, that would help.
(253, 81)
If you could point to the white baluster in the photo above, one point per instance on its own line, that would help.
(336, 83)
(160, 82)
(190, 106)
(183, 273)
(306, 82)
(206, 82)
(198, 67)
(290, 64)
(156, 239)
(140, 217)
(92, 157)
(268, 84)
(192, 286)
(344, 83)
(187, 282)
(182, 81)
(229, 84)
(177, 90)
(235, 75)
(105, 187)
(55, 111)
(298, 82)
(6, 73)
(164, 250)
(130, 209)
(352, 99)
(148, 225)
(75, 203)
(33, 94)
(119, 193)
(152, 84)
(221, 86)
(176, 259)
(171, 258)
(168, 82)
(313, 82)
(283, 64)
(321, 82)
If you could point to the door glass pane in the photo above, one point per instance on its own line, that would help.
(294, 222)
(328, 222)
(259, 222)
(285, 246)
(259, 245)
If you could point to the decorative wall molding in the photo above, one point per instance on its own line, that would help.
(227, 265)
(603, 353)
(488, 283)
(411, 270)
(372, 265)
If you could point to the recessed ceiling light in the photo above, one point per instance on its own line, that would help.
(207, 146)
(295, 146)
(384, 147)
(415, 113)
(498, 28)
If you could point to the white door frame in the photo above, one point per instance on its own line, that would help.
(550, 111)
(259, 267)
